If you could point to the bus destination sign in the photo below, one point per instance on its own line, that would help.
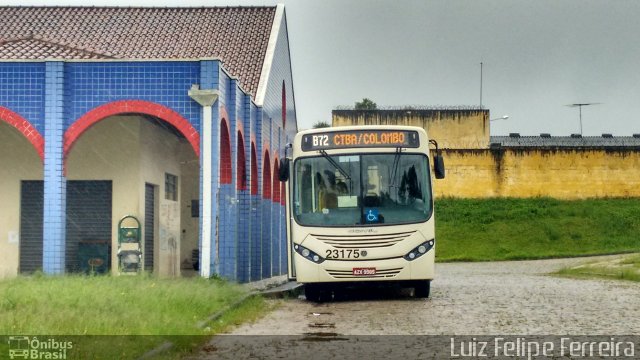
(360, 139)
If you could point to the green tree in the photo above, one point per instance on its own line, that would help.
(321, 124)
(366, 104)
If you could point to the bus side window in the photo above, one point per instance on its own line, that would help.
(306, 197)
(321, 191)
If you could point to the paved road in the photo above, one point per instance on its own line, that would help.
(474, 298)
(471, 298)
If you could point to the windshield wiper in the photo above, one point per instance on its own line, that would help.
(335, 165)
(394, 167)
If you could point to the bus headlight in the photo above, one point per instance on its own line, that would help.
(419, 250)
(308, 254)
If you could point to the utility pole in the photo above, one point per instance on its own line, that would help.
(481, 85)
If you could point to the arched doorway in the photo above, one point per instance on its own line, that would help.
(225, 154)
(256, 234)
(266, 215)
(134, 158)
(21, 213)
(241, 176)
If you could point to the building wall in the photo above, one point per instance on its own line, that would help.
(19, 161)
(452, 129)
(91, 84)
(279, 127)
(559, 173)
(75, 97)
(162, 152)
(22, 89)
(189, 190)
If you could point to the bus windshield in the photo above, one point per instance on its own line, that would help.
(362, 189)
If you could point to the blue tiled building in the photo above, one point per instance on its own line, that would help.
(181, 114)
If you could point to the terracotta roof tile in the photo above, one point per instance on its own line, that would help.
(31, 48)
(237, 35)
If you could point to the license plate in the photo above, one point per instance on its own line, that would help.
(364, 271)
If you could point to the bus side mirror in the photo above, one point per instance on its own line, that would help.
(283, 171)
(438, 166)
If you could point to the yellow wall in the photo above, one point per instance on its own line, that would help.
(564, 174)
(473, 170)
(18, 161)
(455, 129)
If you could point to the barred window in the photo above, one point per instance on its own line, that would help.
(170, 187)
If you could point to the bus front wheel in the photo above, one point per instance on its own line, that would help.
(422, 289)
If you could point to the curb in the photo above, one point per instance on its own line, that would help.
(286, 290)
(283, 290)
(215, 316)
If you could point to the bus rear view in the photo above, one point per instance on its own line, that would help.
(360, 208)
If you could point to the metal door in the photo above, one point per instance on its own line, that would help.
(31, 211)
(149, 226)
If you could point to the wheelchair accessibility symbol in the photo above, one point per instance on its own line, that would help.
(371, 216)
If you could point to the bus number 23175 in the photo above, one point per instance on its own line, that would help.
(343, 254)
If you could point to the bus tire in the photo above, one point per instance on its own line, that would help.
(422, 289)
(313, 292)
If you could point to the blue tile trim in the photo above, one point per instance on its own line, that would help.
(55, 183)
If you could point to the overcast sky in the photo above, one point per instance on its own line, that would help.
(538, 57)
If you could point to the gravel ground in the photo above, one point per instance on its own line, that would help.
(515, 297)
(496, 298)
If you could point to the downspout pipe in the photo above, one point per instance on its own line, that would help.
(206, 98)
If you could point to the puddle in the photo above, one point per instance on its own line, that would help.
(320, 313)
(319, 325)
(322, 336)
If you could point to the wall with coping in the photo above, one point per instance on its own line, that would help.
(454, 129)
(560, 173)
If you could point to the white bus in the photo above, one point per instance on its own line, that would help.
(360, 207)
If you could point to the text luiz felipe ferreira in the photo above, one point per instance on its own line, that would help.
(522, 348)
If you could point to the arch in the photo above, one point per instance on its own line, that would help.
(284, 105)
(276, 180)
(254, 170)
(225, 153)
(266, 176)
(241, 176)
(24, 126)
(127, 107)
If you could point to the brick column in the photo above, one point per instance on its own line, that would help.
(55, 183)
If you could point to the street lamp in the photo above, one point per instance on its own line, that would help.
(580, 105)
(505, 117)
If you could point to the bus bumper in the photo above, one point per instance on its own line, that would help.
(396, 269)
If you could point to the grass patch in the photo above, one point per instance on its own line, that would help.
(624, 268)
(160, 309)
(519, 229)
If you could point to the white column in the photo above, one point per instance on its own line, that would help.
(206, 98)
